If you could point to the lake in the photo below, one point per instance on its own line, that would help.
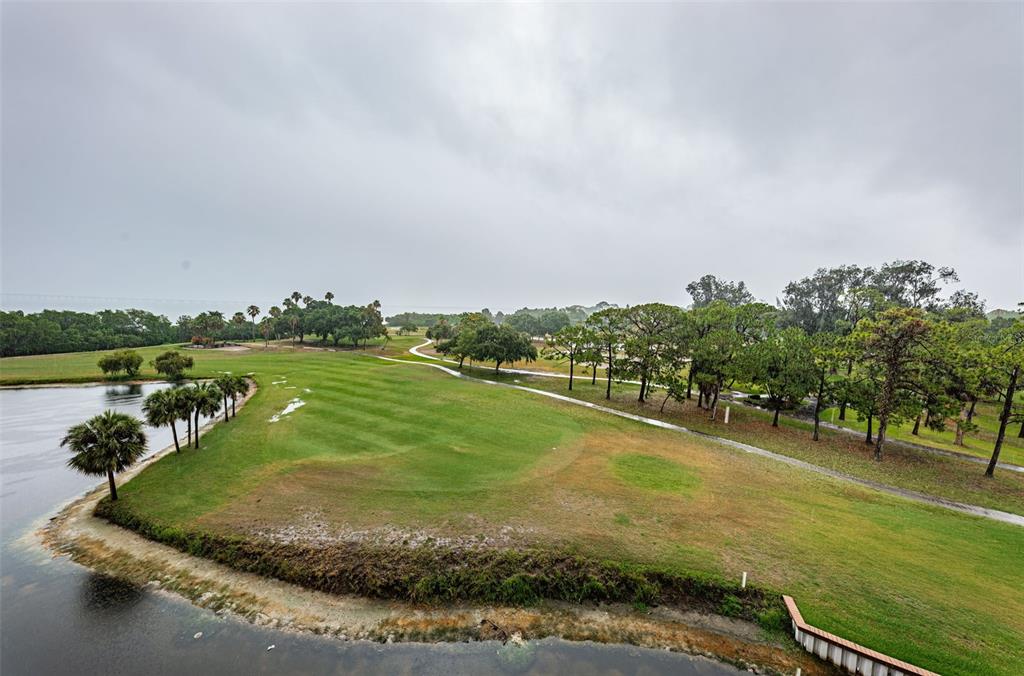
(59, 618)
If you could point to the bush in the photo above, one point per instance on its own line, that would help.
(172, 364)
(128, 361)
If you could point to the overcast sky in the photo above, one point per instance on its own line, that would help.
(468, 156)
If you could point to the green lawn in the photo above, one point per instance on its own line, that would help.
(386, 448)
(978, 443)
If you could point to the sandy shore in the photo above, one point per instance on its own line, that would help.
(100, 545)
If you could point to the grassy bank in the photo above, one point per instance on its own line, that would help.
(385, 455)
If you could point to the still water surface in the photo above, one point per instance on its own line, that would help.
(59, 618)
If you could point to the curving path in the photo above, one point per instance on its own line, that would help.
(974, 510)
(917, 447)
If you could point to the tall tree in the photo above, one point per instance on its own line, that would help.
(225, 385)
(501, 344)
(826, 355)
(914, 284)
(329, 297)
(1007, 359)
(897, 344)
(206, 401)
(568, 343)
(649, 342)
(709, 289)
(782, 363)
(821, 302)
(161, 408)
(253, 311)
(106, 444)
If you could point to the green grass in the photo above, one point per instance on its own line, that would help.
(654, 473)
(978, 443)
(405, 451)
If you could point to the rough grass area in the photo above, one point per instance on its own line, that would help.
(446, 574)
(386, 456)
(902, 466)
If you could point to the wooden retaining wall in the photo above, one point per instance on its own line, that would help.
(846, 654)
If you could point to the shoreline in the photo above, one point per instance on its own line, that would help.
(97, 544)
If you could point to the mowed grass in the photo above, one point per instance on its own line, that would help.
(386, 447)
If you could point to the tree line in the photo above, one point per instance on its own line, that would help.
(297, 317)
(884, 343)
(534, 321)
(53, 331)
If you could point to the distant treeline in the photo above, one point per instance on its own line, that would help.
(535, 321)
(53, 331)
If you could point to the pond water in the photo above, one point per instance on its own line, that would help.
(59, 618)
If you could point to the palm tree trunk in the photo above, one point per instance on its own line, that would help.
(233, 412)
(593, 373)
(113, 486)
(867, 439)
(572, 364)
(917, 426)
(174, 433)
(197, 429)
(225, 408)
(188, 419)
(775, 419)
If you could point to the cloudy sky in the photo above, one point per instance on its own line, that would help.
(467, 156)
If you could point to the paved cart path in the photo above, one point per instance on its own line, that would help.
(974, 510)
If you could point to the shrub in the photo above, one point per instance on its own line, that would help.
(128, 361)
(172, 364)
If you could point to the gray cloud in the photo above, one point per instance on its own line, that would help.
(505, 155)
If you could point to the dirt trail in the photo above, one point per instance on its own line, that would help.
(974, 510)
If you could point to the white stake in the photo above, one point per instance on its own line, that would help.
(744, 583)
(727, 414)
(798, 671)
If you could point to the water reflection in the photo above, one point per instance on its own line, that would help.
(122, 395)
(105, 593)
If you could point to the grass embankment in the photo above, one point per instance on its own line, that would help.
(386, 456)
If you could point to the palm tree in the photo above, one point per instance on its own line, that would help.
(207, 402)
(253, 311)
(161, 408)
(275, 312)
(306, 300)
(184, 400)
(296, 296)
(266, 328)
(108, 443)
(225, 383)
(239, 386)
(328, 296)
